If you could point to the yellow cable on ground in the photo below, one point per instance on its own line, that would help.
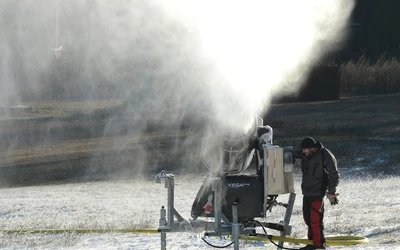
(330, 241)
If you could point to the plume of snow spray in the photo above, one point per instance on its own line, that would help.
(259, 49)
(166, 58)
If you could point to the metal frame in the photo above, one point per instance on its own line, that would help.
(222, 226)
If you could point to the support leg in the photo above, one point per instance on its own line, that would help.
(286, 219)
(162, 223)
(235, 226)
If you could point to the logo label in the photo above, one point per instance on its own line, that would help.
(238, 185)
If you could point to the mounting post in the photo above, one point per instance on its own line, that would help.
(235, 226)
(286, 219)
(162, 223)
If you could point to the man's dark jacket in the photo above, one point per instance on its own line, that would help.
(320, 172)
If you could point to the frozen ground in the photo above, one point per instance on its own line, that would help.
(369, 206)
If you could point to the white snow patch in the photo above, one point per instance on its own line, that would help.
(119, 205)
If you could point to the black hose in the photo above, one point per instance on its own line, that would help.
(208, 243)
(270, 238)
(282, 246)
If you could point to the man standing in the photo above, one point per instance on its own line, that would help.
(320, 177)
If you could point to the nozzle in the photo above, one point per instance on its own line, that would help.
(158, 177)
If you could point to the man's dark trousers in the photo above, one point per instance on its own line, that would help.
(313, 214)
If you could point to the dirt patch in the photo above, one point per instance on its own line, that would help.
(73, 144)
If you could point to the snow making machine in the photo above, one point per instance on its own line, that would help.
(247, 173)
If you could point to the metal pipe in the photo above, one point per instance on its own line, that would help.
(163, 233)
(265, 174)
(170, 185)
(217, 204)
(235, 226)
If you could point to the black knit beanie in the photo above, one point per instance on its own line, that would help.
(308, 142)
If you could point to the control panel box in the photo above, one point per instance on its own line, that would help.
(280, 168)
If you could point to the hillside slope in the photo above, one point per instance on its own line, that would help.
(47, 145)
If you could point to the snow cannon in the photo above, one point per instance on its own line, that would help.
(252, 172)
(247, 173)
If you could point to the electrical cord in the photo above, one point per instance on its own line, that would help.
(282, 247)
(269, 237)
(212, 245)
(208, 243)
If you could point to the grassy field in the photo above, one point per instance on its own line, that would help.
(65, 141)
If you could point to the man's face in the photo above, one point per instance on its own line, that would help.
(308, 151)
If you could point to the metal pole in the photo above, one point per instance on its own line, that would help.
(217, 188)
(170, 185)
(266, 165)
(162, 223)
(235, 226)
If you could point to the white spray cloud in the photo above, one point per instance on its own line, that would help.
(260, 48)
(250, 50)
(232, 56)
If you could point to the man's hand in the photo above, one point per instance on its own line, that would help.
(333, 198)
